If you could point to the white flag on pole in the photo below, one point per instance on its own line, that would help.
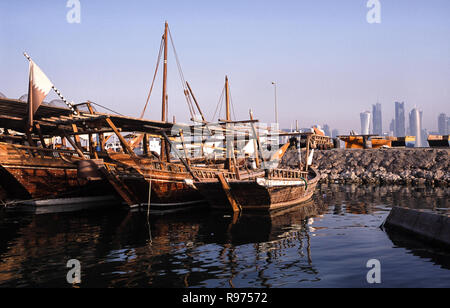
(39, 87)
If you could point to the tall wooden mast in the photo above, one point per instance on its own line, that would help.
(229, 143)
(164, 150)
(164, 91)
(227, 99)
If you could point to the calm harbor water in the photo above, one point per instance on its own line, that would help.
(325, 243)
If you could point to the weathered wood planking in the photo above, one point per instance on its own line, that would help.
(252, 196)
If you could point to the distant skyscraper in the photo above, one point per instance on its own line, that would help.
(334, 133)
(392, 128)
(448, 125)
(400, 119)
(377, 123)
(365, 122)
(416, 126)
(425, 137)
(443, 124)
(326, 129)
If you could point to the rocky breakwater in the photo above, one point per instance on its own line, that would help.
(422, 166)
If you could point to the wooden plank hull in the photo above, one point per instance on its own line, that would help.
(26, 177)
(254, 195)
(33, 182)
(163, 192)
(168, 186)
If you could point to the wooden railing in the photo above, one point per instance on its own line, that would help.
(321, 139)
(287, 174)
(212, 174)
(43, 152)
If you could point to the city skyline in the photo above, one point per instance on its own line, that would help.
(327, 61)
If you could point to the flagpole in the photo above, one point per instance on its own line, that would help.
(57, 91)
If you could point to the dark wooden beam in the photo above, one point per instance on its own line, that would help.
(124, 143)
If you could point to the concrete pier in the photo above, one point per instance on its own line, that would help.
(430, 226)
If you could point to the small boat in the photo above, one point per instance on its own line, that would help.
(276, 190)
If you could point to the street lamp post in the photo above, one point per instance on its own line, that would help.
(276, 107)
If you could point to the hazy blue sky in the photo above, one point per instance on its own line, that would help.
(328, 62)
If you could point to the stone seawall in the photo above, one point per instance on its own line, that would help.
(377, 166)
(430, 226)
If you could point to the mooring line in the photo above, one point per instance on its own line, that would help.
(148, 210)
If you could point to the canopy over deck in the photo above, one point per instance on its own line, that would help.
(53, 121)
(13, 113)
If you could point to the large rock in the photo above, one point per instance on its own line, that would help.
(400, 166)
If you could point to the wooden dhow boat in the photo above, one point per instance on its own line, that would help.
(265, 188)
(41, 174)
(161, 181)
(278, 189)
(41, 171)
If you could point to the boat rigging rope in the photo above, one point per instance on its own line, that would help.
(107, 109)
(148, 210)
(232, 105)
(183, 81)
(154, 77)
(219, 103)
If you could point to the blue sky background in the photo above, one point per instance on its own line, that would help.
(328, 62)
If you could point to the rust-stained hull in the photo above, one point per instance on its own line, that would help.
(254, 195)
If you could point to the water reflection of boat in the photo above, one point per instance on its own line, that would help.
(34, 249)
(256, 227)
(266, 238)
(37, 246)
